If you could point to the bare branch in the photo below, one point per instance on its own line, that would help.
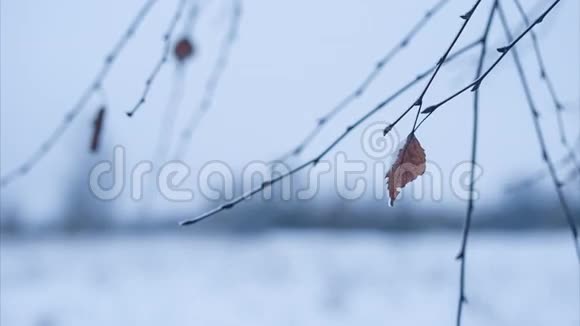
(349, 129)
(477, 83)
(364, 85)
(212, 82)
(558, 106)
(81, 103)
(419, 102)
(539, 133)
(542, 174)
(183, 56)
(167, 38)
(467, 226)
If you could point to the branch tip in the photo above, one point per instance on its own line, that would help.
(387, 129)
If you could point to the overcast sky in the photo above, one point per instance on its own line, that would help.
(293, 61)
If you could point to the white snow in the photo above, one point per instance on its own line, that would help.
(288, 278)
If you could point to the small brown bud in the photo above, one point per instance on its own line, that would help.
(183, 49)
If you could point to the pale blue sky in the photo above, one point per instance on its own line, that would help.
(293, 61)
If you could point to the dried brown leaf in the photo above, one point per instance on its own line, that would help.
(411, 163)
(97, 129)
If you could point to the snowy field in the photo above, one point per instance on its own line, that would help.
(288, 278)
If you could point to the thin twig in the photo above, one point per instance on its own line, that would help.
(477, 83)
(466, 18)
(349, 129)
(540, 175)
(558, 106)
(419, 102)
(191, 18)
(461, 256)
(167, 38)
(539, 133)
(212, 82)
(172, 109)
(364, 85)
(81, 103)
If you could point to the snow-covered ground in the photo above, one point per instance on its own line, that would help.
(288, 278)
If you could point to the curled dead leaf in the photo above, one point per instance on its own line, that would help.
(410, 163)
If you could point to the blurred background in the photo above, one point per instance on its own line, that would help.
(69, 258)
